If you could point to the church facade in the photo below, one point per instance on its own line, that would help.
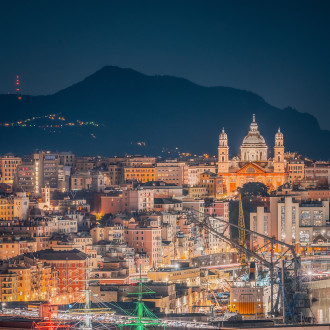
(253, 163)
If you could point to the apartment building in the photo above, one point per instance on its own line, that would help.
(139, 174)
(292, 221)
(170, 172)
(8, 168)
(146, 239)
(296, 170)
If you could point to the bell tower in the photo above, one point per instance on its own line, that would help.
(279, 153)
(223, 151)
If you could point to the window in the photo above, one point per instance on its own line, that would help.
(304, 236)
(266, 225)
(254, 226)
(293, 224)
(305, 218)
(282, 222)
(250, 170)
(318, 216)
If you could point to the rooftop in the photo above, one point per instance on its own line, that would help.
(158, 184)
(50, 254)
(311, 204)
(166, 201)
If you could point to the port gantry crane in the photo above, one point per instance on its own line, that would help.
(284, 269)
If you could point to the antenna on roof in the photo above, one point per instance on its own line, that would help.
(73, 193)
(19, 96)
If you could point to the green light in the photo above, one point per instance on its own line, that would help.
(142, 317)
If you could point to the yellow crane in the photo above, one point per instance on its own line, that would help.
(241, 230)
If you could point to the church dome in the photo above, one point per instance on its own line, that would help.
(254, 147)
(253, 137)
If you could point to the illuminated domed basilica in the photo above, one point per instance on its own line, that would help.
(253, 164)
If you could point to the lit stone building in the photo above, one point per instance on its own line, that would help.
(71, 267)
(8, 165)
(42, 170)
(10, 249)
(113, 233)
(253, 164)
(292, 221)
(115, 175)
(176, 274)
(192, 173)
(146, 240)
(318, 172)
(260, 221)
(8, 285)
(14, 207)
(81, 180)
(139, 174)
(296, 170)
(170, 172)
(304, 222)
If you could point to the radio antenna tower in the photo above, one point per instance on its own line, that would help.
(18, 92)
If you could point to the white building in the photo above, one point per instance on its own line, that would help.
(21, 206)
(141, 199)
(291, 221)
(260, 222)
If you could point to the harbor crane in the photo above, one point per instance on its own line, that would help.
(284, 268)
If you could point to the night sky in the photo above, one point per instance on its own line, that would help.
(277, 49)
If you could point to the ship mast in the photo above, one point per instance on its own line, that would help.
(140, 304)
(143, 318)
(88, 321)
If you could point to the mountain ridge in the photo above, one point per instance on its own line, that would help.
(161, 110)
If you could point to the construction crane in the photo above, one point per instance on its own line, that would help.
(241, 231)
(216, 300)
(284, 272)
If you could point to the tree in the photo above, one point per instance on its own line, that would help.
(252, 194)
(106, 220)
(254, 189)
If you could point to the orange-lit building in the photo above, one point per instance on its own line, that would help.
(44, 281)
(8, 165)
(296, 170)
(14, 207)
(71, 266)
(212, 182)
(253, 163)
(139, 174)
(6, 209)
(23, 282)
(11, 248)
(28, 280)
(8, 287)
